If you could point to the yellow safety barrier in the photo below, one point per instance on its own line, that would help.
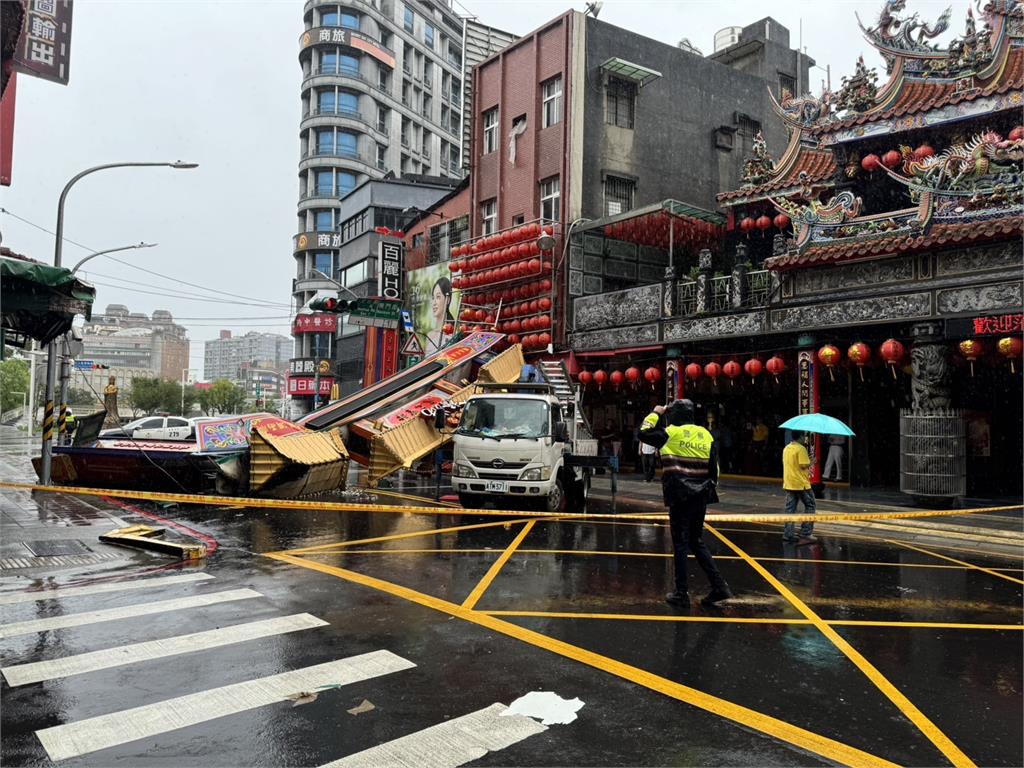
(336, 506)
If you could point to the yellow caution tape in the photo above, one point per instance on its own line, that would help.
(335, 506)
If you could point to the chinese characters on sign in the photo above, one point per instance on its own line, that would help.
(1001, 324)
(350, 38)
(300, 366)
(317, 323)
(304, 385)
(326, 240)
(45, 47)
(389, 275)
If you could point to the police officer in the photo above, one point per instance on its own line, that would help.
(689, 461)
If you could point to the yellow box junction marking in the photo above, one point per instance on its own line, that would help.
(958, 562)
(787, 732)
(905, 705)
(492, 573)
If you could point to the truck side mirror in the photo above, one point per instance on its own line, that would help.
(561, 432)
(439, 419)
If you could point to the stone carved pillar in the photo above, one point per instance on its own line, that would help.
(930, 370)
(738, 288)
(668, 293)
(704, 281)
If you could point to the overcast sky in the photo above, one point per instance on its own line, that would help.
(217, 83)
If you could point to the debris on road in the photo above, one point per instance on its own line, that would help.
(546, 706)
(363, 708)
(147, 537)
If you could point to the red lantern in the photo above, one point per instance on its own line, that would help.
(513, 338)
(971, 349)
(775, 366)
(732, 370)
(1010, 347)
(781, 221)
(753, 368)
(859, 353)
(585, 378)
(449, 329)
(746, 224)
(829, 356)
(1017, 133)
(713, 371)
(617, 378)
(600, 377)
(545, 339)
(693, 371)
(544, 303)
(891, 158)
(764, 223)
(870, 163)
(923, 151)
(892, 352)
(632, 374)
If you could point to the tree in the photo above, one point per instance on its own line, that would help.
(152, 395)
(81, 396)
(14, 380)
(226, 397)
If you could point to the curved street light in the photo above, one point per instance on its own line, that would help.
(91, 256)
(46, 458)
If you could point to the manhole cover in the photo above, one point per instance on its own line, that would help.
(57, 548)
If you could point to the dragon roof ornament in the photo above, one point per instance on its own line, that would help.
(895, 36)
(984, 165)
(760, 167)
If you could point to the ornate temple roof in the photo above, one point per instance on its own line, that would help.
(798, 168)
(937, 235)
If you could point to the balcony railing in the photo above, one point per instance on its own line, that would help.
(339, 71)
(333, 152)
(335, 112)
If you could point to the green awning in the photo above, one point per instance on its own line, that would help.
(630, 71)
(40, 301)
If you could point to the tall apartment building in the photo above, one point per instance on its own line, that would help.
(228, 356)
(122, 339)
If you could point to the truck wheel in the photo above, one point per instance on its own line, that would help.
(470, 501)
(556, 501)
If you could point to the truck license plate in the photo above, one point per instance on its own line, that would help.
(497, 486)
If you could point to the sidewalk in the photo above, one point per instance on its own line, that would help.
(997, 533)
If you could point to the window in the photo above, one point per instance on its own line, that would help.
(550, 199)
(328, 62)
(456, 91)
(417, 240)
(348, 103)
(786, 83)
(325, 142)
(324, 221)
(747, 125)
(324, 262)
(329, 19)
(382, 119)
(349, 21)
(454, 54)
(325, 101)
(428, 36)
(620, 103)
(618, 195)
(382, 157)
(490, 130)
(489, 216)
(347, 144)
(172, 422)
(428, 105)
(346, 183)
(428, 142)
(410, 19)
(355, 274)
(383, 79)
(517, 220)
(428, 75)
(151, 424)
(348, 65)
(552, 93)
(325, 182)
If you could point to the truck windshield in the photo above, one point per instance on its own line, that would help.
(505, 418)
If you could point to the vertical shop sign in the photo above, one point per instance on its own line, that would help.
(389, 275)
(672, 380)
(807, 382)
(44, 49)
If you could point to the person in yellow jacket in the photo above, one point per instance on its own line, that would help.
(796, 482)
(689, 461)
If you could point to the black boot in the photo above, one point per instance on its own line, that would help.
(678, 599)
(716, 595)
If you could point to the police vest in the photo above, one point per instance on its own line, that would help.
(687, 451)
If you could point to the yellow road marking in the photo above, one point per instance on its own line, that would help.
(750, 620)
(905, 705)
(329, 506)
(813, 742)
(492, 573)
(958, 562)
(411, 497)
(399, 536)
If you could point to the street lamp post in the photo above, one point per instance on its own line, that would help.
(58, 249)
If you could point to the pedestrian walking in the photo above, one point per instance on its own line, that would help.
(834, 459)
(796, 482)
(648, 455)
(689, 463)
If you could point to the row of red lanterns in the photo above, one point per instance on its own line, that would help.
(653, 229)
(520, 234)
(632, 374)
(763, 222)
(732, 369)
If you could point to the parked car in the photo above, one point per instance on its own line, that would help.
(153, 428)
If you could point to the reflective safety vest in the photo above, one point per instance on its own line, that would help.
(687, 451)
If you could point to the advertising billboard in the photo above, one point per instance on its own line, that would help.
(433, 303)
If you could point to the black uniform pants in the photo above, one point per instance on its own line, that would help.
(687, 523)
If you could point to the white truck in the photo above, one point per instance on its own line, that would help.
(524, 445)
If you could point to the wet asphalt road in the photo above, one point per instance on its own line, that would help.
(402, 593)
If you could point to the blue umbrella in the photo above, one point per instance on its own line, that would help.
(818, 423)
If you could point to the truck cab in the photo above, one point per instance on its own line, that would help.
(513, 446)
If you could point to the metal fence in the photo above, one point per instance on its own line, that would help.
(933, 453)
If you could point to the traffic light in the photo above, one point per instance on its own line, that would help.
(337, 306)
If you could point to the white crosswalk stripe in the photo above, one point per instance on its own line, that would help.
(60, 593)
(22, 674)
(84, 736)
(124, 612)
(448, 744)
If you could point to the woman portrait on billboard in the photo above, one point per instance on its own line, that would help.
(440, 313)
